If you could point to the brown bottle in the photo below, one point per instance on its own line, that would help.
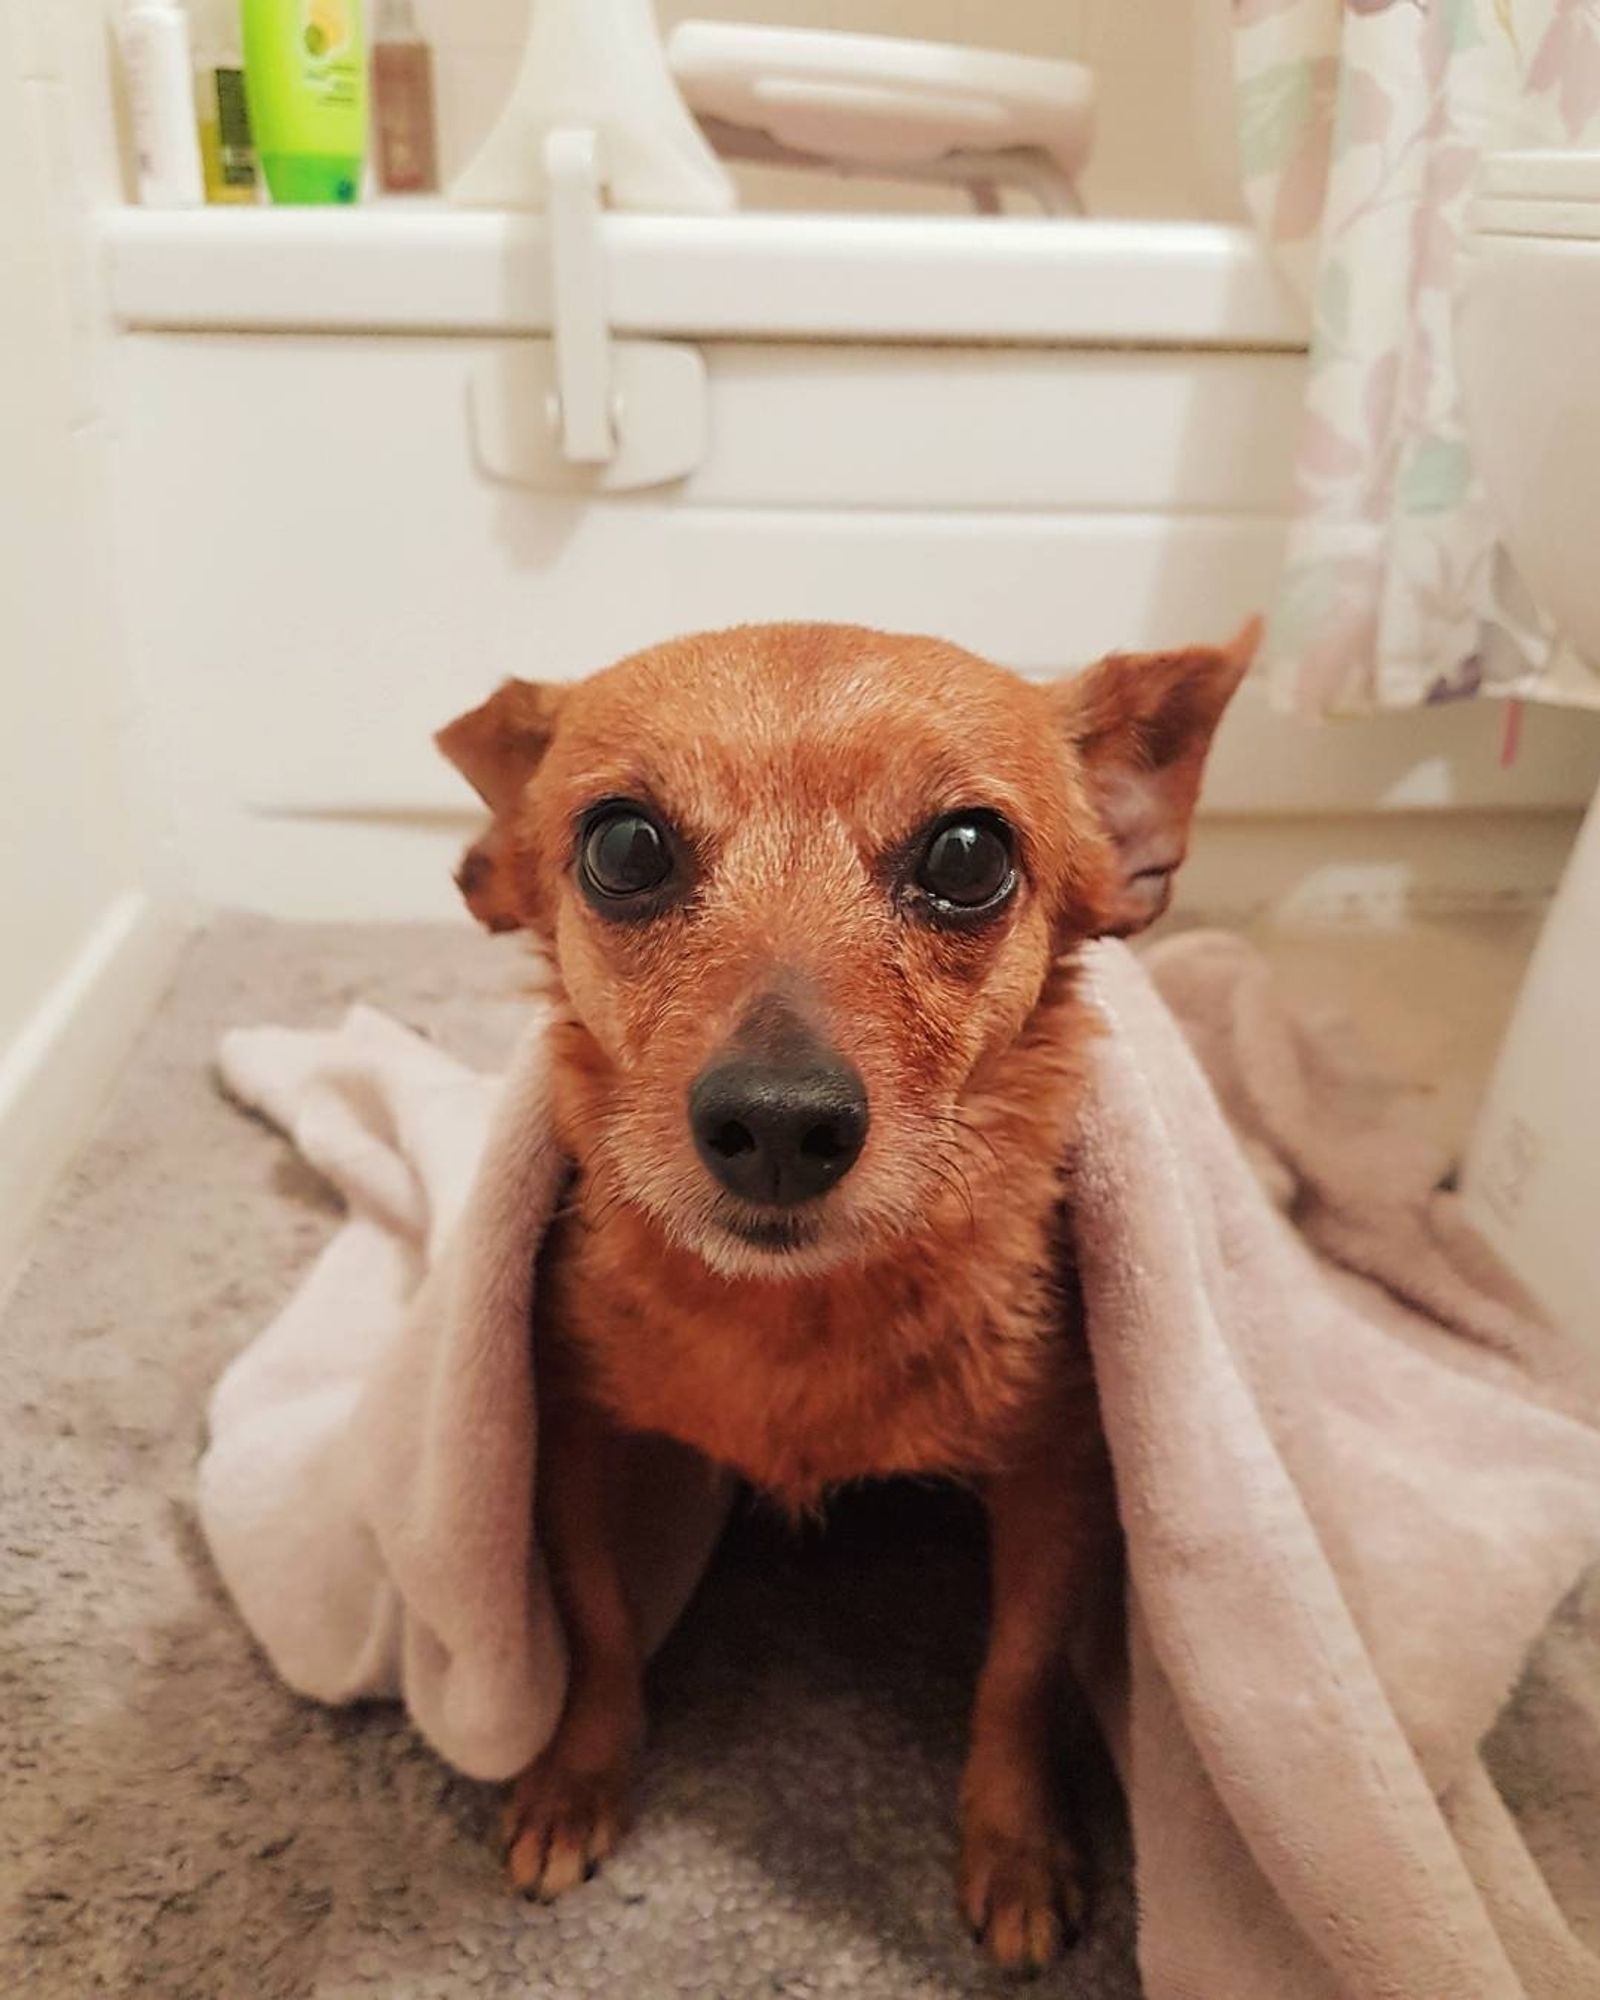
(402, 102)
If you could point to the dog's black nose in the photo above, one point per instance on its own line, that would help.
(779, 1132)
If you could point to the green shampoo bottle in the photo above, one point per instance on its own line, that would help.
(305, 75)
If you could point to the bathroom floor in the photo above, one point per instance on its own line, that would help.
(179, 1824)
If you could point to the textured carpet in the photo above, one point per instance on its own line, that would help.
(175, 1823)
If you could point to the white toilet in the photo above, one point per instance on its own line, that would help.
(1529, 352)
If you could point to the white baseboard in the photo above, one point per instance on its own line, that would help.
(55, 1076)
(1372, 870)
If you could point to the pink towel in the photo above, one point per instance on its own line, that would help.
(1355, 1481)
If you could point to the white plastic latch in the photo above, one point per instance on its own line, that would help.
(581, 411)
(578, 323)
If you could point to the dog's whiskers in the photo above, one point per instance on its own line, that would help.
(968, 1130)
(948, 1171)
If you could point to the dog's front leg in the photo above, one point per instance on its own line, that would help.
(1022, 1879)
(568, 1809)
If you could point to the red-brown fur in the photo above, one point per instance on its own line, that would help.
(927, 1325)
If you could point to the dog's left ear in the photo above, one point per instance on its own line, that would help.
(497, 747)
(1142, 724)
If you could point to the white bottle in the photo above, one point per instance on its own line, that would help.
(161, 94)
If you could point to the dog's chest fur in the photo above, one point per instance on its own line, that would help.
(951, 1352)
(935, 1366)
(940, 1358)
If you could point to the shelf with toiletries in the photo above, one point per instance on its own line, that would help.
(288, 103)
(1014, 119)
(332, 120)
(256, 214)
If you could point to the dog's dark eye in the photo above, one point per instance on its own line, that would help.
(968, 863)
(623, 854)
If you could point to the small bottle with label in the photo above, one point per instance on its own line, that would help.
(402, 93)
(155, 48)
(227, 154)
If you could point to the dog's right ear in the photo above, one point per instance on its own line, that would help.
(497, 747)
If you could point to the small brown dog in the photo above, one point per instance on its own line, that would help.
(811, 896)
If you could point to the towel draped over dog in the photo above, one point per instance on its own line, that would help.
(1355, 1480)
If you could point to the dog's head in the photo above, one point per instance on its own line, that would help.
(800, 885)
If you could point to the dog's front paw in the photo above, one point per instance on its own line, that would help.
(1023, 1896)
(559, 1824)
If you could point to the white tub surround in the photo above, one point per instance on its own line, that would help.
(345, 513)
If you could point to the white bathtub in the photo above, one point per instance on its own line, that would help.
(1041, 439)
(766, 276)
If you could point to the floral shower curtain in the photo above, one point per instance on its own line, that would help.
(1361, 126)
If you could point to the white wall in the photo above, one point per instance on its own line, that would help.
(86, 940)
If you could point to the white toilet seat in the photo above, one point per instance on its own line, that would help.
(1544, 193)
(1527, 309)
